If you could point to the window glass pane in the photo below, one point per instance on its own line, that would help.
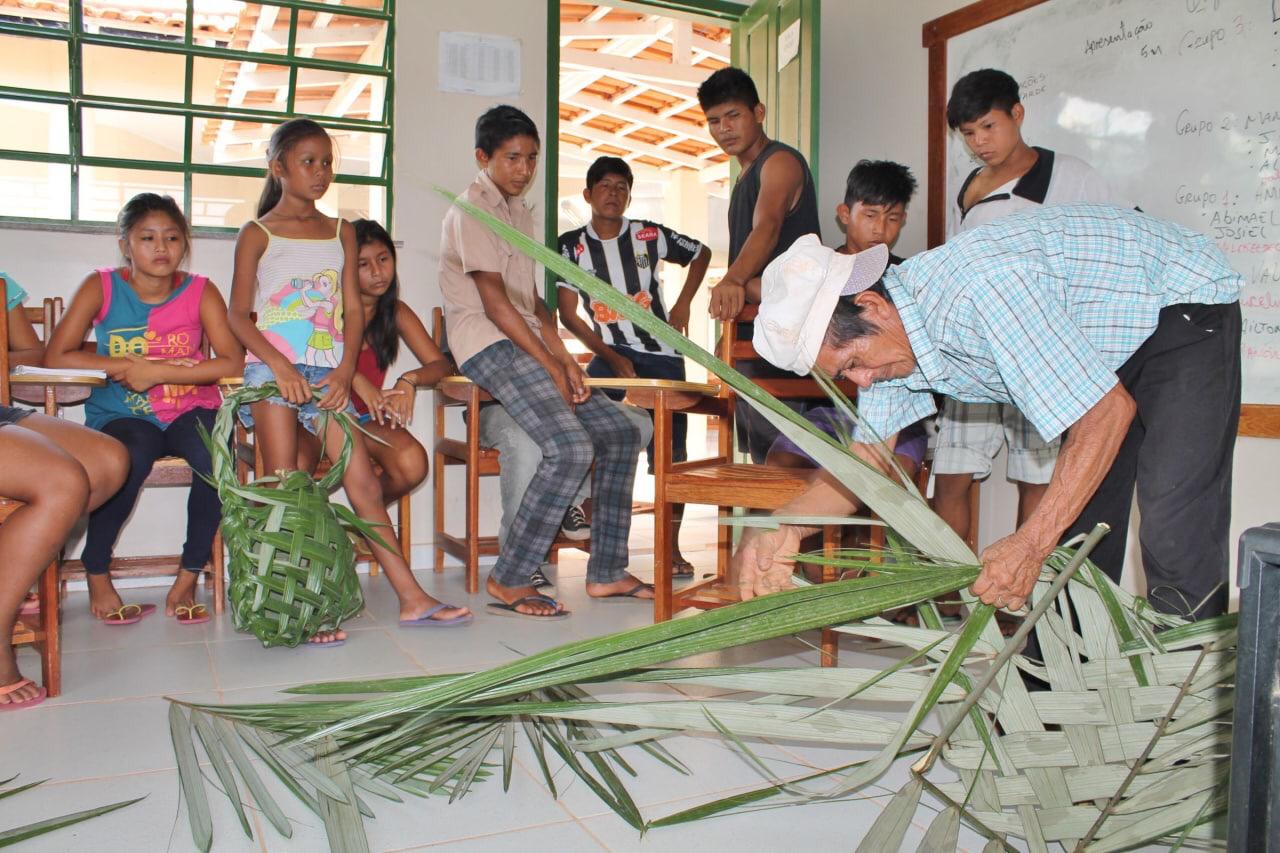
(223, 201)
(228, 142)
(103, 191)
(138, 74)
(338, 94)
(131, 135)
(358, 152)
(32, 126)
(354, 201)
(35, 190)
(242, 26)
(32, 63)
(340, 38)
(246, 85)
(158, 20)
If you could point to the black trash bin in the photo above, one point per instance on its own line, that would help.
(1254, 821)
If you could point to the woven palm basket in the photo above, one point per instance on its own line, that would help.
(291, 560)
(1131, 742)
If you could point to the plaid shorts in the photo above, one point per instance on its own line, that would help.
(970, 436)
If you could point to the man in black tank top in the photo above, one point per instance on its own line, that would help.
(773, 202)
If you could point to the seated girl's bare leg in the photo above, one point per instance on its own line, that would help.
(403, 461)
(366, 499)
(43, 470)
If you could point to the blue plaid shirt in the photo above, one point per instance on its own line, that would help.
(1039, 309)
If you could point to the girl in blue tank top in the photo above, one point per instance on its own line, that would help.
(152, 322)
(296, 268)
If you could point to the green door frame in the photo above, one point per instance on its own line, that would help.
(730, 13)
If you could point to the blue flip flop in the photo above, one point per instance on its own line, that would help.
(425, 620)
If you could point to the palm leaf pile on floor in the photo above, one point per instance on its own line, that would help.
(1127, 746)
(291, 562)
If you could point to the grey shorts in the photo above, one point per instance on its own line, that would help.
(970, 436)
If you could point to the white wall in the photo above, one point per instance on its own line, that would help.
(874, 104)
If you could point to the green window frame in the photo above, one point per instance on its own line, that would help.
(75, 101)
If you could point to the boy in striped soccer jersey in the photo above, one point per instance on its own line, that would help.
(626, 253)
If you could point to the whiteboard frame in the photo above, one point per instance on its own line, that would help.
(1256, 419)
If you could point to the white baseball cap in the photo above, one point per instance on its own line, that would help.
(798, 295)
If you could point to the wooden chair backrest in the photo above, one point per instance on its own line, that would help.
(43, 319)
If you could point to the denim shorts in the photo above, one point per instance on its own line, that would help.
(257, 373)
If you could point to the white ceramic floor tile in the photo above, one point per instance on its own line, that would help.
(90, 740)
(560, 837)
(157, 670)
(81, 631)
(366, 654)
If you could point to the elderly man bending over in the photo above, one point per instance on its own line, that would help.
(1117, 328)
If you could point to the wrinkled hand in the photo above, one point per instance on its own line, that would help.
(622, 367)
(678, 318)
(1010, 568)
(762, 562)
(727, 299)
(138, 374)
(337, 385)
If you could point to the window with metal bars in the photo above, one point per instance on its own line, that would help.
(103, 99)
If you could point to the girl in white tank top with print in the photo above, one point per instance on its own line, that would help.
(296, 268)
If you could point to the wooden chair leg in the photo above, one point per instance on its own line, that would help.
(975, 503)
(51, 623)
(663, 583)
(404, 518)
(830, 637)
(437, 488)
(473, 528)
(219, 572)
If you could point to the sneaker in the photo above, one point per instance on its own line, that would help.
(538, 580)
(575, 525)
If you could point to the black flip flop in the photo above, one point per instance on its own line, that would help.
(629, 595)
(499, 608)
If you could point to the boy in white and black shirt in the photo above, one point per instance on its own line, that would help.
(626, 254)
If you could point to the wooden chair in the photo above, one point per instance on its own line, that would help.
(720, 482)
(167, 471)
(477, 462)
(43, 630)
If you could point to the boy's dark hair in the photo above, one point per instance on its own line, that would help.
(283, 138)
(879, 182)
(498, 124)
(725, 85)
(609, 166)
(144, 203)
(380, 331)
(978, 93)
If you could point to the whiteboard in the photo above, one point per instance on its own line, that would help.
(1177, 104)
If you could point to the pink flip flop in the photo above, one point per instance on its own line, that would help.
(18, 706)
(30, 606)
(191, 614)
(128, 614)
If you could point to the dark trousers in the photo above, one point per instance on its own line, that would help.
(1186, 381)
(146, 443)
(649, 366)
(756, 434)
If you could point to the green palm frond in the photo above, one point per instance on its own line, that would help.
(28, 831)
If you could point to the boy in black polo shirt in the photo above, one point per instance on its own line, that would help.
(626, 253)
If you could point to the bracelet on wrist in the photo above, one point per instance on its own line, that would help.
(403, 378)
